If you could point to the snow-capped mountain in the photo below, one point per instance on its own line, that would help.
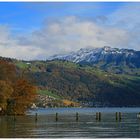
(81, 55)
(99, 54)
(103, 57)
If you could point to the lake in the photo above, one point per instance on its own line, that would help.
(87, 126)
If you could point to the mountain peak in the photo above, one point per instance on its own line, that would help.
(106, 47)
(106, 55)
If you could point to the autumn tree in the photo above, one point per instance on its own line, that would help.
(6, 91)
(16, 94)
(7, 71)
(23, 95)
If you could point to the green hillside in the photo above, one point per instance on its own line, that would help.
(49, 93)
(84, 84)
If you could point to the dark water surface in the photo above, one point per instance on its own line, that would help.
(67, 126)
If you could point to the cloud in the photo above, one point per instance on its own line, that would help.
(71, 34)
(128, 18)
(120, 29)
(10, 47)
(61, 36)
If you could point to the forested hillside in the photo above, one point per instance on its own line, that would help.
(87, 85)
(75, 83)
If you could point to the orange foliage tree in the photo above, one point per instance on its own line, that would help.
(6, 91)
(7, 71)
(16, 95)
(23, 95)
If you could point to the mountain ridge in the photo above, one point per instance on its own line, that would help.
(106, 58)
(89, 51)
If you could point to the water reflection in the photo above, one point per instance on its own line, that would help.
(21, 127)
(67, 126)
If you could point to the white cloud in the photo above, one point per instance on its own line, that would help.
(71, 33)
(9, 46)
(128, 18)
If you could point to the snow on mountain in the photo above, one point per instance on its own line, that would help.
(95, 54)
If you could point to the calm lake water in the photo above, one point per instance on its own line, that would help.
(67, 126)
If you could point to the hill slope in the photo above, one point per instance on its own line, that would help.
(106, 58)
(90, 86)
(87, 85)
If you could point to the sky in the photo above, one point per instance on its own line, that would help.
(37, 30)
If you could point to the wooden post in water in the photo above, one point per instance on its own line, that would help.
(56, 117)
(116, 116)
(99, 116)
(77, 116)
(120, 116)
(36, 117)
